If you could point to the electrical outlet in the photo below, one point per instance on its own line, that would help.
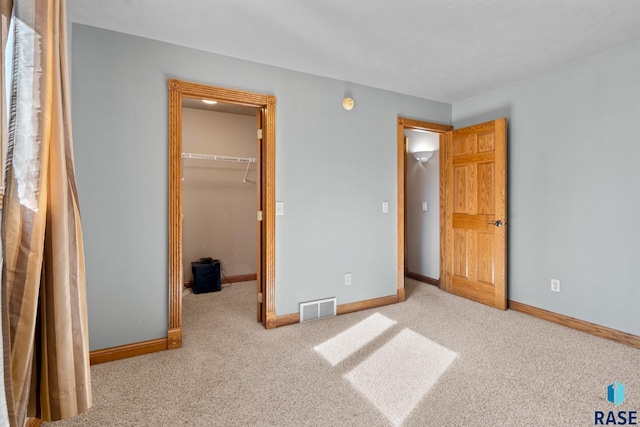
(555, 285)
(347, 279)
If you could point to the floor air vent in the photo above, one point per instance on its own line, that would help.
(318, 309)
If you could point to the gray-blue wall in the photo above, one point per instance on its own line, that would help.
(334, 169)
(572, 182)
(574, 202)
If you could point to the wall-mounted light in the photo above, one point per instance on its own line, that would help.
(423, 156)
(348, 103)
(209, 101)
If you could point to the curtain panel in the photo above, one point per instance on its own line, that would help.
(8, 416)
(43, 274)
(6, 6)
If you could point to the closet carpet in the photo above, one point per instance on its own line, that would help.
(434, 360)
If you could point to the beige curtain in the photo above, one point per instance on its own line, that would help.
(8, 414)
(5, 11)
(43, 276)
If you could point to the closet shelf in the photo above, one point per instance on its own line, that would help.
(218, 158)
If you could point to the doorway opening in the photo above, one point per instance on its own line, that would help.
(264, 107)
(219, 194)
(422, 203)
(405, 155)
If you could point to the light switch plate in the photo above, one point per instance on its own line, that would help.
(424, 206)
(385, 207)
(347, 279)
(279, 208)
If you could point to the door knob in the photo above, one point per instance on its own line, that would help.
(498, 223)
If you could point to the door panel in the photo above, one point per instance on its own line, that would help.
(475, 197)
(460, 243)
(485, 268)
(486, 200)
(460, 180)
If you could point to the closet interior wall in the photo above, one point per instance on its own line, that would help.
(219, 196)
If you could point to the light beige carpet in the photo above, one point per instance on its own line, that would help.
(434, 360)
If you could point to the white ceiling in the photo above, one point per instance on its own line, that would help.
(445, 50)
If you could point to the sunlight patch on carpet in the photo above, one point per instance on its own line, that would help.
(343, 345)
(398, 375)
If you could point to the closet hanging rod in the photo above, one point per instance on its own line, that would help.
(215, 157)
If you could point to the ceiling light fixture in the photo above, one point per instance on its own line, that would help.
(423, 156)
(210, 102)
(348, 103)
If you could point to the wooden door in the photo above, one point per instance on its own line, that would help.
(475, 179)
(259, 223)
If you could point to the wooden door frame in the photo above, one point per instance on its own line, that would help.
(405, 124)
(179, 89)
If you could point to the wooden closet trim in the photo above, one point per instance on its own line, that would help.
(179, 89)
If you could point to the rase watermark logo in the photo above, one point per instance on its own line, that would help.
(615, 395)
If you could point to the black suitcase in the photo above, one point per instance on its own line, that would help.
(206, 275)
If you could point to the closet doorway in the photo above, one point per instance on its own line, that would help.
(219, 188)
(257, 171)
